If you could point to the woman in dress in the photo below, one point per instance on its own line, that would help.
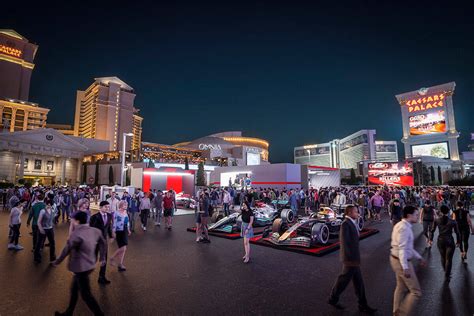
(122, 231)
(246, 230)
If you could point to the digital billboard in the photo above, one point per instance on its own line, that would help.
(391, 173)
(253, 159)
(429, 123)
(439, 150)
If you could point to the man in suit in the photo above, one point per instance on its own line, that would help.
(81, 249)
(350, 257)
(103, 221)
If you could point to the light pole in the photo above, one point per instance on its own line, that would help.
(309, 156)
(122, 170)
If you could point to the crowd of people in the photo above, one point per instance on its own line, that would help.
(445, 209)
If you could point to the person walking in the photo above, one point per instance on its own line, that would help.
(226, 200)
(428, 215)
(168, 207)
(158, 205)
(81, 249)
(113, 202)
(103, 221)
(462, 217)
(203, 218)
(145, 206)
(33, 217)
(446, 245)
(246, 230)
(133, 210)
(121, 231)
(82, 206)
(401, 255)
(396, 212)
(15, 224)
(377, 203)
(46, 230)
(350, 257)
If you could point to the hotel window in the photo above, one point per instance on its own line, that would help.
(50, 165)
(37, 164)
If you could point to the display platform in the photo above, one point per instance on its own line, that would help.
(317, 251)
(256, 231)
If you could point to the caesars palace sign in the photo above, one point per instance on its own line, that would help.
(426, 103)
(10, 51)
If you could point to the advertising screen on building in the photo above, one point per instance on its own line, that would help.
(429, 123)
(386, 148)
(253, 159)
(391, 173)
(439, 150)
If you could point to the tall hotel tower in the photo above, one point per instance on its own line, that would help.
(105, 111)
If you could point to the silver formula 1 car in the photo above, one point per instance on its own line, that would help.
(308, 231)
(264, 215)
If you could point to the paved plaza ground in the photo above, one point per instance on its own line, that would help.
(170, 274)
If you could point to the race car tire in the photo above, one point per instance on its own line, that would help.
(360, 223)
(287, 215)
(320, 234)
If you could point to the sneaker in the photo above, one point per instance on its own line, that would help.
(144, 228)
(11, 246)
(19, 247)
(158, 224)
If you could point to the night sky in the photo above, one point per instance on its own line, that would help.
(291, 74)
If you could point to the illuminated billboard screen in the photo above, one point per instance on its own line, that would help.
(391, 173)
(439, 150)
(253, 159)
(429, 123)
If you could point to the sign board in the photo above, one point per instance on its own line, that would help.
(391, 173)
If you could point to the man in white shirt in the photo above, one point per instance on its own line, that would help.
(113, 202)
(401, 255)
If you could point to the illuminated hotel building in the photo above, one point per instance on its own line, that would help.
(21, 115)
(16, 65)
(429, 127)
(105, 111)
(348, 152)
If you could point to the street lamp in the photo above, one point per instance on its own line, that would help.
(309, 156)
(122, 171)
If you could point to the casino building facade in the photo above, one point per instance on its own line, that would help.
(348, 152)
(17, 55)
(221, 149)
(429, 127)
